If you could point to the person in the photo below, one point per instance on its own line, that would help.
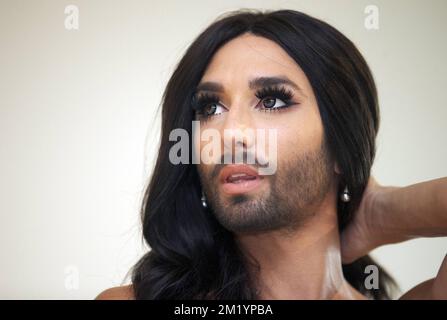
(225, 231)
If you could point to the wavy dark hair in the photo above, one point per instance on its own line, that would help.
(192, 256)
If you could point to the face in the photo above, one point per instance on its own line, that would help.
(252, 83)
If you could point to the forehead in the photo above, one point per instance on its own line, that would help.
(249, 56)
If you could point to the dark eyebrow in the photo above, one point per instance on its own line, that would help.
(258, 82)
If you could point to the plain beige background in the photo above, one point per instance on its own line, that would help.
(79, 128)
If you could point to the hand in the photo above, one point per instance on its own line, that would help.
(363, 233)
(388, 214)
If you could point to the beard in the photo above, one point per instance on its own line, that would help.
(299, 185)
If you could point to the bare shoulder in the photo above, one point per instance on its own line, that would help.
(422, 291)
(117, 293)
(435, 288)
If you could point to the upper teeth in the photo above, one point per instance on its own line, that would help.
(238, 175)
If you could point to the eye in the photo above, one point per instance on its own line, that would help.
(274, 98)
(206, 105)
(212, 109)
(271, 103)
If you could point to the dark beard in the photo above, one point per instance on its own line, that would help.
(298, 186)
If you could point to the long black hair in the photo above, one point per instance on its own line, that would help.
(192, 256)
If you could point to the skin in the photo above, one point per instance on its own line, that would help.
(304, 261)
(390, 214)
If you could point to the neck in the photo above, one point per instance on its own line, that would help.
(303, 264)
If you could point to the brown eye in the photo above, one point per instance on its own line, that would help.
(269, 102)
(210, 109)
(272, 103)
(274, 98)
(207, 105)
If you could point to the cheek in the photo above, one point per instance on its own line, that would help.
(300, 133)
(205, 174)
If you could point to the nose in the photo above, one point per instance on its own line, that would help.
(238, 131)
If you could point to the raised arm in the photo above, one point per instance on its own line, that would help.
(394, 214)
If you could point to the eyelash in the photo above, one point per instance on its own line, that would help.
(277, 92)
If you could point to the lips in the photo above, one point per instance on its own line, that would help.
(236, 179)
(235, 172)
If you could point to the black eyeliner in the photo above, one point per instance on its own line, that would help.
(201, 100)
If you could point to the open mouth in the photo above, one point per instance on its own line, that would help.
(237, 179)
